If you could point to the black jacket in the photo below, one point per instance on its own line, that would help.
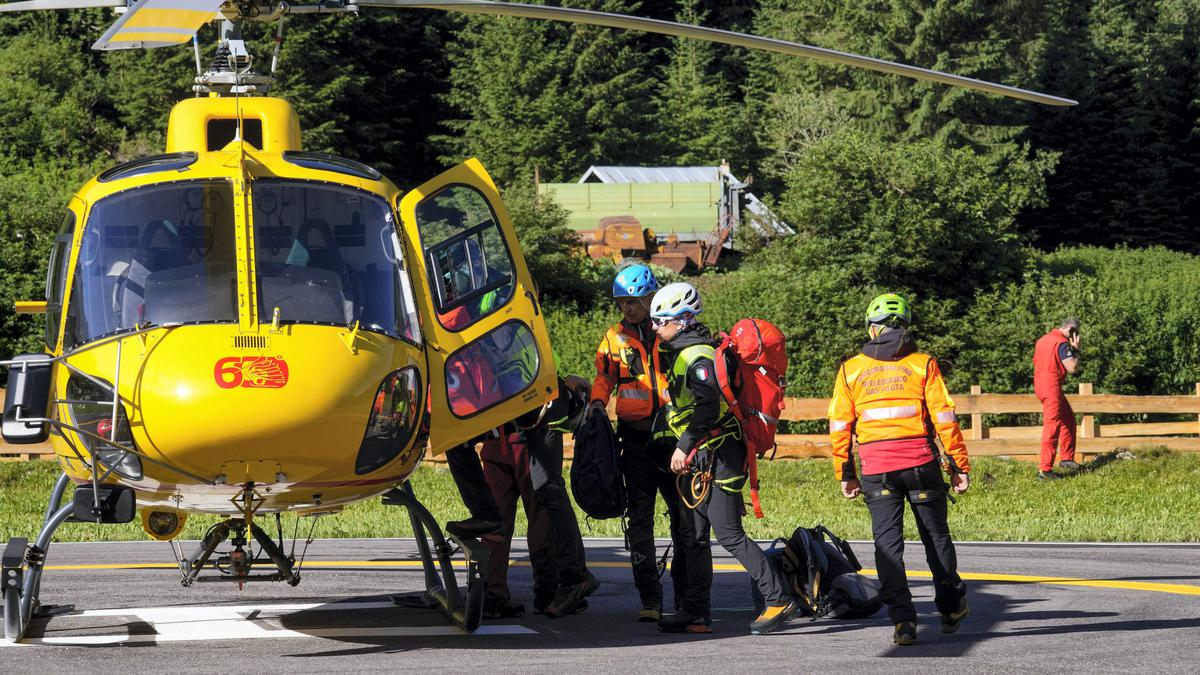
(700, 380)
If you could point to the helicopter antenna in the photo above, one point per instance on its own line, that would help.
(278, 44)
(196, 51)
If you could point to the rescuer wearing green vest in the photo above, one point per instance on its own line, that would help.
(699, 418)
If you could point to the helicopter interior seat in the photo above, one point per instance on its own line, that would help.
(176, 289)
(314, 283)
(160, 247)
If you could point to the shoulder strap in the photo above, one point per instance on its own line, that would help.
(841, 546)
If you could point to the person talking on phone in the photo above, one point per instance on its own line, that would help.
(1055, 356)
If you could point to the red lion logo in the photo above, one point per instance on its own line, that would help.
(252, 372)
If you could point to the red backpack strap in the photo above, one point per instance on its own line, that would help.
(724, 379)
(725, 383)
(752, 473)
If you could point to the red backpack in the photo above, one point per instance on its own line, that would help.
(754, 389)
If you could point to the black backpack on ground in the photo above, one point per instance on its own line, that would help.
(823, 575)
(596, 479)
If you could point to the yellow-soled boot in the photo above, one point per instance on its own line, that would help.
(773, 617)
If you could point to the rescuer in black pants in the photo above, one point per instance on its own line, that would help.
(886, 494)
(646, 467)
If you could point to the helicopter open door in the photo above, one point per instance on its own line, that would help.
(486, 340)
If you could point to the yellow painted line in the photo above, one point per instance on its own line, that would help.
(1177, 589)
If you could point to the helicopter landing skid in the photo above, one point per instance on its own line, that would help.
(441, 585)
(21, 569)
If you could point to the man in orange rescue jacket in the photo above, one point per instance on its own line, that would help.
(1055, 356)
(893, 399)
(628, 368)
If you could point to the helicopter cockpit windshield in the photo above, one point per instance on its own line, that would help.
(326, 254)
(153, 255)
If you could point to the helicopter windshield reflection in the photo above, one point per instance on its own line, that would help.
(326, 254)
(152, 255)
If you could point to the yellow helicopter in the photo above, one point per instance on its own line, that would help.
(242, 328)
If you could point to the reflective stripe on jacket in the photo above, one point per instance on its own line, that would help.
(623, 370)
(888, 406)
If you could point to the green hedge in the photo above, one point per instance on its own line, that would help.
(1138, 309)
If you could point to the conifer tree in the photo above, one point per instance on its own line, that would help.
(552, 96)
(699, 118)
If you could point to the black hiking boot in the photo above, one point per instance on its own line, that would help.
(496, 608)
(951, 621)
(569, 598)
(684, 622)
(473, 527)
(906, 633)
(773, 617)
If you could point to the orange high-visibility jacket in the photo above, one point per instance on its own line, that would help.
(623, 367)
(889, 406)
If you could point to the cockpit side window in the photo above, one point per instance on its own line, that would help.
(470, 268)
(56, 278)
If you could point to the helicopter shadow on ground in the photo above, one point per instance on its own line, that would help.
(998, 616)
(605, 624)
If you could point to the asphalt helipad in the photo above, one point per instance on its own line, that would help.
(1045, 608)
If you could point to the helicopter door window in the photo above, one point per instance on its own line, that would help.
(500, 365)
(155, 254)
(470, 267)
(56, 278)
(324, 255)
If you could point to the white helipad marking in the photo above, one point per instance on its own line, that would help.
(246, 622)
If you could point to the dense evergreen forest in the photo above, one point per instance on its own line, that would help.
(996, 216)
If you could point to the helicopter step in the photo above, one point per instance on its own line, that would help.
(441, 585)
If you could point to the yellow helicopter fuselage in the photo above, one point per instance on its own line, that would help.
(273, 321)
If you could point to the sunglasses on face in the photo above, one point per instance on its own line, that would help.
(659, 321)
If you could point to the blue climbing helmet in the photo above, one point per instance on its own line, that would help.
(635, 281)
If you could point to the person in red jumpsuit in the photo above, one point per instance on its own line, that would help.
(1055, 356)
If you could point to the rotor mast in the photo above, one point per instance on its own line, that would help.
(231, 69)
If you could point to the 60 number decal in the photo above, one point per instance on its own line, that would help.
(252, 372)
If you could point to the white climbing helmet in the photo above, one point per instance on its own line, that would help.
(675, 299)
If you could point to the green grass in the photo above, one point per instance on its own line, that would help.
(1154, 497)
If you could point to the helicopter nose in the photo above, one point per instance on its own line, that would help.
(296, 410)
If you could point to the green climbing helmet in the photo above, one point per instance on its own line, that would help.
(885, 307)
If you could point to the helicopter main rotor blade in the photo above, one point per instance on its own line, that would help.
(610, 20)
(158, 23)
(35, 5)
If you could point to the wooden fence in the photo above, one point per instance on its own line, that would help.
(1021, 442)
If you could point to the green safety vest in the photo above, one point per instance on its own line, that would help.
(683, 401)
